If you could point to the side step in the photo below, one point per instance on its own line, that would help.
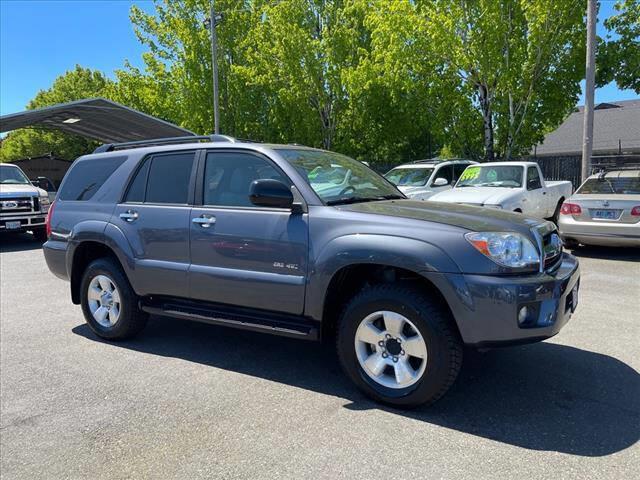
(236, 317)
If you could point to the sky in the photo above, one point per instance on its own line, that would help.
(40, 40)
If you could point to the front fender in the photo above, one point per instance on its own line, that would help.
(401, 252)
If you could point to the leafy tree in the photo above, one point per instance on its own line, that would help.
(75, 84)
(619, 54)
(520, 58)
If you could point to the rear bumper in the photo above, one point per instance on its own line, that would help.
(55, 254)
(596, 233)
(486, 308)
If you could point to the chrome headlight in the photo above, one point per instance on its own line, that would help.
(44, 203)
(508, 249)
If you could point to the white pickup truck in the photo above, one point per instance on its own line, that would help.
(514, 186)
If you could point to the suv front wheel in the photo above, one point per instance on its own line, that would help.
(108, 302)
(399, 345)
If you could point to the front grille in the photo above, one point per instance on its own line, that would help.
(550, 246)
(11, 206)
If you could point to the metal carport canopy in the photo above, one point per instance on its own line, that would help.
(96, 118)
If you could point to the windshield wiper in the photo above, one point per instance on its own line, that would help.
(348, 200)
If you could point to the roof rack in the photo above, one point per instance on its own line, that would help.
(109, 147)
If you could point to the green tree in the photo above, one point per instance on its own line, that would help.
(619, 53)
(73, 85)
(520, 58)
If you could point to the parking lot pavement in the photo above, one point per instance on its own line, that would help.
(187, 400)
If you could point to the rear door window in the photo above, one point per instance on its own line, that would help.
(533, 179)
(163, 179)
(445, 172)
(458, 168)
(87, 176)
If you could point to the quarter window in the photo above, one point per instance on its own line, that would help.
(87, 176)
(445, 172)
(228, 177)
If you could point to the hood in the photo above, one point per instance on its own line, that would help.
(17, 190)
(475, 195)
(413, 190)
(476, 219)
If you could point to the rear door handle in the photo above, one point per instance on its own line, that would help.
(129, 216)
(205, 221)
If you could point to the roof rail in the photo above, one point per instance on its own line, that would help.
(109, 147)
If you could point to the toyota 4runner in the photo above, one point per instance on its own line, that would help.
(238, 234)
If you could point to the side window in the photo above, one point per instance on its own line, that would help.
(163, 179)
(228, 177)
(533, 179)
(139, 184)
(445, 172)
(458, 168)
(87, 176)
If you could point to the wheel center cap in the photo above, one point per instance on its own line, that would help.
(393, 346)
(106, 299)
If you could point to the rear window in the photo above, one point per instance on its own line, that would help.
(609, 185)
(87, 176)
(162, 178)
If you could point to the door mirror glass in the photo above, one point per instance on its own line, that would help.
(440, 182)
(267, 192)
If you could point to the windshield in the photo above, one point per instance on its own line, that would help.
(615, 185)
(12, 176)
(339, 179)
(409, 177)
(509, 176)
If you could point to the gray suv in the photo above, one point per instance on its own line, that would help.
(258, 237)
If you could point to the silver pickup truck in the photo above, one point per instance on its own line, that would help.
(22, 205)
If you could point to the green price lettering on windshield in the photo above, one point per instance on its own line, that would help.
(470, 173)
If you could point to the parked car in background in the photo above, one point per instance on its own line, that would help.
(246, 235)
(605, 210)
(513, 186)
(421, 179)
(47, 185)
(23, 206)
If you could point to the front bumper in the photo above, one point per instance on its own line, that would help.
(486, 308)
(28, 221)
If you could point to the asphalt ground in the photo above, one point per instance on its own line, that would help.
(188, 400)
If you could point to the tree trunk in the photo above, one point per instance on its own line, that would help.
(485, 107)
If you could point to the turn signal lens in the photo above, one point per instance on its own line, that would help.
(635, 211)
(570, 209)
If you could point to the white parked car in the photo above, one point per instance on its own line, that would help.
(424, 178)
(22, 205)
(513, 186)
(605, 210)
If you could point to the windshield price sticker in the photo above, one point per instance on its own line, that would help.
(470, 173)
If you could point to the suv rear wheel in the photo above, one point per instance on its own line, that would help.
(108, 302)
(399, 346)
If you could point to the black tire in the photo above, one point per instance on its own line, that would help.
(434, 323)
(40, 235)
(571, 244)
(131, 320)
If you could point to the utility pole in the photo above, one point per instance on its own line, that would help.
(587, 132)
(212, 23)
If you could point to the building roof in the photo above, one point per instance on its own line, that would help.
(95, 118)
(616, 125)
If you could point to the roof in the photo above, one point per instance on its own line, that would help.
(616, 125)
(507, 164)
(96, 118)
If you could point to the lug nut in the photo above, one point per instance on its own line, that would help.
(401, 352)
(384, 355)
(381, 343)
(387, 336)
(395, 359)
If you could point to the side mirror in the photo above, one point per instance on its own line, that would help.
(440, 182)
(267, 192)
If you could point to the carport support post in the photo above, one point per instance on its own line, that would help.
(213, 21)
(587, 133)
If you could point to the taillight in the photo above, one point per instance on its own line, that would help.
(570, 209)
(635, 211)
(47, 222)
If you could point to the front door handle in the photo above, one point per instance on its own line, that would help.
(205, 221)
(129, 216)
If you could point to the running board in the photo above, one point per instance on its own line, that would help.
(241, 318)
